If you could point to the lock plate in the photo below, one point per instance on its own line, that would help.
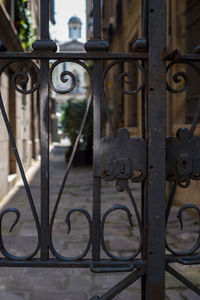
(121, 158)
(183, 158)
(122, 168)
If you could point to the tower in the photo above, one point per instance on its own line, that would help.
(75, 25)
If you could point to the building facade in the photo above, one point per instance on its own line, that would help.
(22, 110)
(73, 73)
(121, 27)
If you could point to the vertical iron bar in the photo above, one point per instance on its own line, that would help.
(144, 136)
(97, 93)
(170, 96)
(155, 252)
(44, 134)
(97, 180)
(97, 19)
(44, 19)
(144, 18)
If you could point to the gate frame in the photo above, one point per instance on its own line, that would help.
(151, 268)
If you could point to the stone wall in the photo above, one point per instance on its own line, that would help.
(23, 121)
(4, 144)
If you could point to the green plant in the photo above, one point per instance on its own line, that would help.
(23, 24)
(71, 116)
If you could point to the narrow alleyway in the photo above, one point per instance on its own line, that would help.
(76, 284)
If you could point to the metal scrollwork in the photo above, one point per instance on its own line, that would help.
(75, 146)
(68, 222)
(129, 215)
(2, 247)
(180, 77)
(19, 79)
(23, 81)
(127, 78)
(197, 242)
(65, 76)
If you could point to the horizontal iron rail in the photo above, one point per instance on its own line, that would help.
(184, 259)
(86, 263)
(93, 56)
(82, 56)
(186, 57)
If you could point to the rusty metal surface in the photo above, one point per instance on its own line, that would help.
(121, 158)
(183, 161)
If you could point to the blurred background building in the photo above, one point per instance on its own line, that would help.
(19, 26)
(73, 73)
(72, 45)
(121, 27)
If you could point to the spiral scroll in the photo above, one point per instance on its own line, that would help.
(2, 247)
(180, 77)
(53, 250)
(125, 209)
(19, 79)
(68, 222)
(65, 76)
(197, 242)
(124, 77)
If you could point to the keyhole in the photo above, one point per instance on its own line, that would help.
(122, 168)
(184, 163)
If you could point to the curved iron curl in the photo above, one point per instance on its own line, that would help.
(126, 75)
(197, 242)
(64, 74)
(90, 99)
(129, 215)
(68, 222)
(18, 160)
(2, 247)
(128, 81)
(180, 76)
(23, 76)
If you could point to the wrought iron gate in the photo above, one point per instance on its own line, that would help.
(117, 157)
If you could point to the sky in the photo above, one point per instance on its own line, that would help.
(64, 9)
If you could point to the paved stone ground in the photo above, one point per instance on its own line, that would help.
(32, 284)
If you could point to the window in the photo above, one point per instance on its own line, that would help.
(70, 32)
(75, 33)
